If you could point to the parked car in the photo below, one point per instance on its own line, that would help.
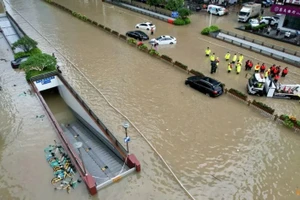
(16, 63)
(217, 10)
(145, 25)
(138, 35)
(254, 22)
(265, 20)
(206, 85)
(164, 39)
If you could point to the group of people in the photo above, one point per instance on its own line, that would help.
(274, 71)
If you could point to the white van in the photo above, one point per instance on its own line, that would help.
(217, 10)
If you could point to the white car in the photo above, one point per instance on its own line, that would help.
(254, 22)
(273, 21)
(145, 25)
(164, 39)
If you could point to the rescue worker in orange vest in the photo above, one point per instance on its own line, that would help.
(207, 52)
(284, 72)
(263, 67)
(234, 58)
(238, 67)
(229, 67)
(272, 68)
(275, 71)
(227, 56)
(279, 70)
(276, 78)
(212, 57)
(256, 68)
(267, 73)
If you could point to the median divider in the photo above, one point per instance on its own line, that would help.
(289, 122)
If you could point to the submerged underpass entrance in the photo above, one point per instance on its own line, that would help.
(102, 159)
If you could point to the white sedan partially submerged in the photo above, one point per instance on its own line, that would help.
(164, 39)
(146, 26)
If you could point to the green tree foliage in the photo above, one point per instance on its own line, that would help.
(39, 62)
(184, 13)
(153, 2)
(25, 43)
(174, 5)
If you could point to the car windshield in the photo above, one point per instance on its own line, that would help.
(243, 13)
(159, 38)
(255, 83)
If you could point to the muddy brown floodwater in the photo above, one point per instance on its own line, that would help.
(219, 148)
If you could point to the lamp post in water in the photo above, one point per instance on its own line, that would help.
(78, 145)
(126, 139)
(210, 17)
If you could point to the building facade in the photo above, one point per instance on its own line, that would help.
(289, 11)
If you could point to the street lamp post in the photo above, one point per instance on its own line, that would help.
(78, 145)
(127, 139)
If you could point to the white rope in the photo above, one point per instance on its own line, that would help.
(100, 178)
(169, 168)
(123, 166)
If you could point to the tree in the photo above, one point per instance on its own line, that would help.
(153, 2)
(174, 5)
(25, 43)
(39, 62)
(184, 13)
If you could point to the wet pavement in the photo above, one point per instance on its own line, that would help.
(219, 148)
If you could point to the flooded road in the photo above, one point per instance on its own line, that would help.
(219, 148)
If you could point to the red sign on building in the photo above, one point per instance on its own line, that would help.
(288, 10)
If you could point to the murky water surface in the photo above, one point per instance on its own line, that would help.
(219, 148)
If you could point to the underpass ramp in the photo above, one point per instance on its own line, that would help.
(99, 160)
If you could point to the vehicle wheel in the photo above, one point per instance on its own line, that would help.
(136, 27)
(207, 94)
(218, 14)
(208, 12)
(186, 83)
(148, 29)
(171, 42)
(276, 25)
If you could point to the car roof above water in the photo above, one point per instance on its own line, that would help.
(207, 79)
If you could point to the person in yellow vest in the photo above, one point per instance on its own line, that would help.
(212, 57)
(257, 68)
(267, 73)
(227, 56)
(234, 58)
(207, 52)
(229, 67)
(241, 58)
(238, 67)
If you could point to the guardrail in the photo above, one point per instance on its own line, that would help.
(278, 48)
(282, 58)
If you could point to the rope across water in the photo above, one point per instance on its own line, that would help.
(149, 143)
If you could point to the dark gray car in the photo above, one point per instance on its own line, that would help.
(16, 63)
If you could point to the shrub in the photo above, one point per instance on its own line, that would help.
(132, 41)
(30, 53)
(213, 28)
(205, 31)
(184, 12)
(238, 94)
(263, 106)
(290, 121)
(165, 57)
(247, 27)
(143, 47)
(182, 66)
(25, 43)
(153, 52)
(179, 22)
(197, 73)
(187, 20)
(38, 64)
(210, 29)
